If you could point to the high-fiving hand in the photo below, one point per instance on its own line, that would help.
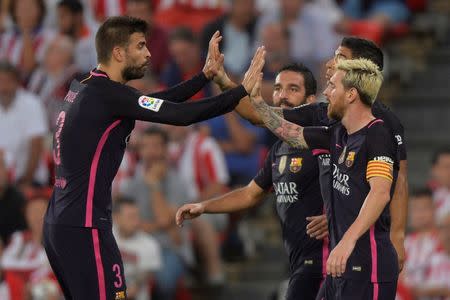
(214, 62)
(253, 74)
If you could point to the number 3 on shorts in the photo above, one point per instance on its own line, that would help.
(118, 282)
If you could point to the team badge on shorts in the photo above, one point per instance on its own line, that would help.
(296, 164)
(350, 159)
(120, 295)
(282, 164)
(150, 103)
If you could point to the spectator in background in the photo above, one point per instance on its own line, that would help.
(192, 13)
(25, 264)
(140, 252)
(25, 43)
(71, 22)
(441, 174)
(422, 241)
(51, 81)
(12, 205)
(311, 37)
(384, 12)
(157, 39)
(186, 60)
(158, 190)
(22, 128)
(436, 284)
(102, 9)
(238, 30)
(241, 144)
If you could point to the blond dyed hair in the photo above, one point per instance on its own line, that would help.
(363, 75)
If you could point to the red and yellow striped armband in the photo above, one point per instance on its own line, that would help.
(380, 167)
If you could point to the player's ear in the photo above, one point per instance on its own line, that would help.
(311, 99)
(352, 94)
(118, 54)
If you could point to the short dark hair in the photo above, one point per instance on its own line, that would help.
(74, 6)
(155, 130)
(362, 48)
(438, 153)
(7, 67)
(422, 192)
(183, 34)
(116, 31)
(121, 202)
(308, 76)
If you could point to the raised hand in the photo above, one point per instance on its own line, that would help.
(253, 73)
(188, 211)
(213, 62)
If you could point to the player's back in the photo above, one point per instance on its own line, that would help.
(88, 147)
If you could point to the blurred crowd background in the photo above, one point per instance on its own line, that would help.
(44, 44)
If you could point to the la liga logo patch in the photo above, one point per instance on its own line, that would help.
(150, 103)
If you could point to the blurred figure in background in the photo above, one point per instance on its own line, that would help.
(186, 60)
(71, 22)
(140, 252)
(12, 205)
(51, 81)
(23, 146)
(201, 167)
(24, 44)
(238, 30)
(311, 37)
(158, 190)
(441, 174)
(436, 284)
(422, 241)
(25, 264)
(157, 38)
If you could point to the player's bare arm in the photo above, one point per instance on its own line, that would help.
(375, 202)
(288, 132)
(399, 209)
(236, 200)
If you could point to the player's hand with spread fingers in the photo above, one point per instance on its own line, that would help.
(189, 211)
(213, 62)
(337, 261)
(317, 227)
(253, 73)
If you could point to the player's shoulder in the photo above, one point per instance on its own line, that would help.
(382, 111)
(377, 126)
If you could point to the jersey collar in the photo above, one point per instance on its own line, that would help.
(97, 73)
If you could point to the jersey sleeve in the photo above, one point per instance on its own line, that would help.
(380, 152)
(264, 177)
(314, 114)
(128, 103)
(317, 137)
(184, 90)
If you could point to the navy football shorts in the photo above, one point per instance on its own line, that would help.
(86, 262)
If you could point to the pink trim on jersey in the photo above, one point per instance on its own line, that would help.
(373, 250)
(99, 265)
(375, 291)
(325, 253)
(98, 74)
(375, 122)
(316, 152)
(93, 173)
(339, 146)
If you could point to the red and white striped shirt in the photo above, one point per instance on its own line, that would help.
(200, 162)
(11, 45)
(438, 274)
(419, 247)
(441, 199)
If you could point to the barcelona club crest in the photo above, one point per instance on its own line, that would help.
(296, 164)
(350, 159)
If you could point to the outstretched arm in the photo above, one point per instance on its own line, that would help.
(233, 201)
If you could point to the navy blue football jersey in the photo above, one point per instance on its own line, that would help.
(293, 175)
(92, 131)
